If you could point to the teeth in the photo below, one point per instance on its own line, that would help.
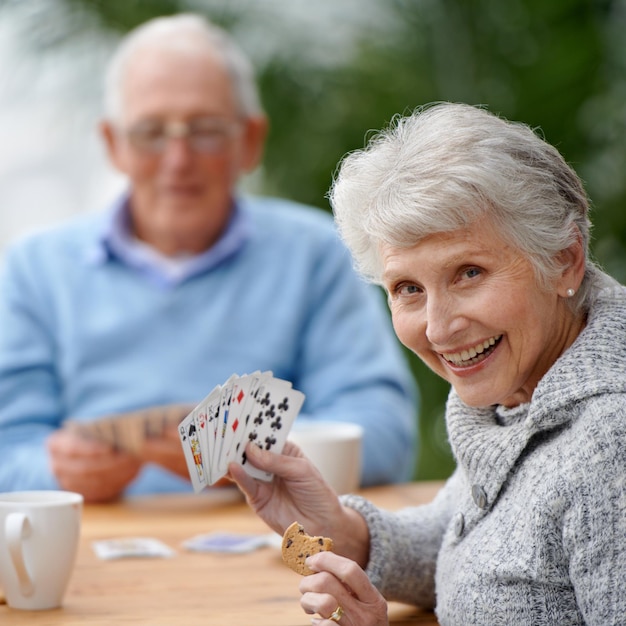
(459, 358)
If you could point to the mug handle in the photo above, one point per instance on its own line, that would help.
(17, 527)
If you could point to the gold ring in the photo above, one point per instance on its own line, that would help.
(336, 615)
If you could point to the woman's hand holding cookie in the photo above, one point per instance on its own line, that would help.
(297, 546)
(339, 588)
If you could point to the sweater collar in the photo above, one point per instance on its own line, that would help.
(594, 364)
(115, 241)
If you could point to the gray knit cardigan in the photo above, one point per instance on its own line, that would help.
(531, 527)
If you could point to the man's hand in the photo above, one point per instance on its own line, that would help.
(90, 467)
(165, 451)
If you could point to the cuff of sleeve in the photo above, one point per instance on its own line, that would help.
(379, 537)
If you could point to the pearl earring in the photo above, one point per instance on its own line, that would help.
(570, 292)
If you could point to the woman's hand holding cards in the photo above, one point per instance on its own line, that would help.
(298, 492)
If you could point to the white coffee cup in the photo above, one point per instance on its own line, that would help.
(334, 448)
(39, 533)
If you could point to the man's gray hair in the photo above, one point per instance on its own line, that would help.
(447, 166)
(173, 32)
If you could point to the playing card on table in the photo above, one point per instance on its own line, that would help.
(228, 542)
(131, 547)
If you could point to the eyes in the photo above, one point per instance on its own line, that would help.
(471, 272)
(206, 135)
(465, 277)
(406, 289)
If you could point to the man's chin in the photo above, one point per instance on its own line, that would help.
(188, 234)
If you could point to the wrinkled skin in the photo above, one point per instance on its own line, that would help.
(299, 493)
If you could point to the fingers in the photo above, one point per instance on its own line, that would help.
(321, 603)
(90, 467)
(67, 444)
(167, 453)
(291, 449)
(101, 467)
(297, 491)
(347, 612)
(291, 467)
(288, 465)
(345, 571)
(340, 582)
(246, 483)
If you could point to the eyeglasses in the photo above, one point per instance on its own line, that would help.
(207, 135)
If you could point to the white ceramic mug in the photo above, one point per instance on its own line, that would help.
(39, 533)
(334, 448)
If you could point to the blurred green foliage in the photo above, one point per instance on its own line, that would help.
(558, 65)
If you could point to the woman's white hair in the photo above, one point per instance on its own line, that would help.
(448, 165)
(183, 31)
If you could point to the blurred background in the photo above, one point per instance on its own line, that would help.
(330, 72)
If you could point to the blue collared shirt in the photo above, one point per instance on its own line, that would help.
(118, 241)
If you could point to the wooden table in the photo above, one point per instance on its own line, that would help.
(253, 589)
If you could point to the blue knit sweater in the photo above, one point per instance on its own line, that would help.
(82, 335)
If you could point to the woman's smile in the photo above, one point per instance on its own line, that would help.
(474, 355)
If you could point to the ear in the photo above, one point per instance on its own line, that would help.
(112, 144)
(573, 263)
(253, 141)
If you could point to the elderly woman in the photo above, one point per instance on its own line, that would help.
(478, 231)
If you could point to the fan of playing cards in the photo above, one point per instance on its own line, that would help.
(126, 432)
(254, 408)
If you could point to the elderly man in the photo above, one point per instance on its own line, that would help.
(182, 283)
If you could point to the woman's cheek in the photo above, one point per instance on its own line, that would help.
(406, 329)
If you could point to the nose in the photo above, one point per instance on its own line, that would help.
(444, 318)
(177, 153)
